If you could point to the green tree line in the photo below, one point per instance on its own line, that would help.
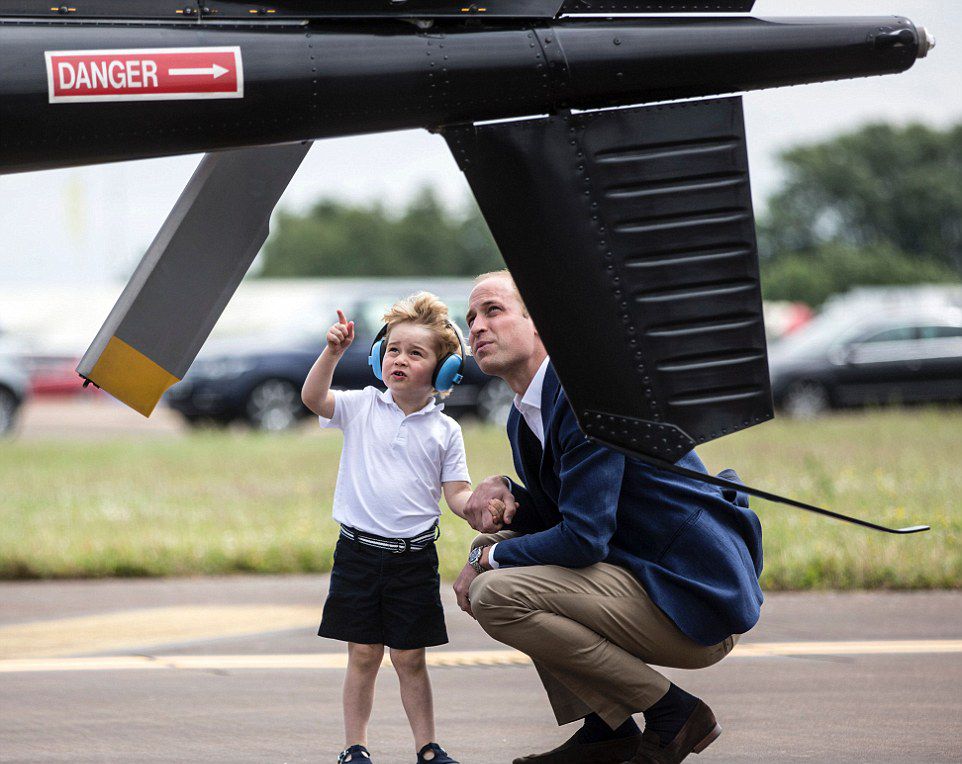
(879, 205)
(339, 239)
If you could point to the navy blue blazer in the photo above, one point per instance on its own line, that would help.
(697, 550)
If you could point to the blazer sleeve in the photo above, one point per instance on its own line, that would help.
(527, 518)
(590, 477)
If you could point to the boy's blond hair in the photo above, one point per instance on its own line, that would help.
(426, 309)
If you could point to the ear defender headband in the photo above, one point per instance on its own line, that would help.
(375, 358)
(448, 372)
(450, 369)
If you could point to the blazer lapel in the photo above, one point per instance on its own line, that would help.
(525, 447)
(536, 465)
(549, 395)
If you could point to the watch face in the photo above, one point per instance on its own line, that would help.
(475, 555)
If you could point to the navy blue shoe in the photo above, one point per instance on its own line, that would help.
(440, 755)
(356, 754)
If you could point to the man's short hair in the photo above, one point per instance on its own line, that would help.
(505, 274)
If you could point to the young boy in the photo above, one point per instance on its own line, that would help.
(399, 453)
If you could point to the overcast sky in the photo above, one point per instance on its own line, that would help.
(89, 225)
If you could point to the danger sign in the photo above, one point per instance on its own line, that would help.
(163, 74)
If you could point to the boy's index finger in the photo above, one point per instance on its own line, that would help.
(341, 318)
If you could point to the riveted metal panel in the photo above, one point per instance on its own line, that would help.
(631, 236)
(278, 9)
(657, 6)
(319, 9)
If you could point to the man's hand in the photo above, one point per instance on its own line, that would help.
(483, 509)
(461, 587)
(340, 335)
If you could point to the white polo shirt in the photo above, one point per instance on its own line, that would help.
(392, 465)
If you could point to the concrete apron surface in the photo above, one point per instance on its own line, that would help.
(230, 670)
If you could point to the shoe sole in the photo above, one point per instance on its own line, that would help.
(710, 738)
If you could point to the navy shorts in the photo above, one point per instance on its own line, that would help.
(379, 597)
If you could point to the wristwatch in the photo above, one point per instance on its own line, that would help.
(474, 559)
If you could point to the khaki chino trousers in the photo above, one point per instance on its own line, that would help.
(592, 633)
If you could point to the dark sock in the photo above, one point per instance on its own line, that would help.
(595, 730)
(669, 714)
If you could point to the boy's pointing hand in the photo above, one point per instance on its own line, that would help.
(340, 335)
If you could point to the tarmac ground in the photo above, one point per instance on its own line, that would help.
(230, 670)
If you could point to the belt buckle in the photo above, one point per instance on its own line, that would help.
(405, 546)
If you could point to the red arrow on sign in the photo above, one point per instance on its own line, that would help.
(162, 74)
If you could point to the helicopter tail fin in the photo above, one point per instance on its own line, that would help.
(642, 220)
(190, 271)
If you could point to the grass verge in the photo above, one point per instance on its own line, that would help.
(230, 503)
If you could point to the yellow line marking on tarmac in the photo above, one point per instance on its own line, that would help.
(462, 658)
(881, 647)
(149, 626)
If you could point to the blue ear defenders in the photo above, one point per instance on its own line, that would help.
(448, 372)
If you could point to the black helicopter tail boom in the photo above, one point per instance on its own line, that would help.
(415, 10)
(88, 92)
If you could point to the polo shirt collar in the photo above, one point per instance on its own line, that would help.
(432, 405)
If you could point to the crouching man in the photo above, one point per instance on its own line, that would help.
(601, 565)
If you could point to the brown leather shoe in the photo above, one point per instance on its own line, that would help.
(699, 732)
(573, 751)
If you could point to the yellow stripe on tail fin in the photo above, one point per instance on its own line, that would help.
(130, 376)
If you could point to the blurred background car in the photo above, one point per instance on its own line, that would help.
(14, 384)
(47, 329)
(872, 347)
(257, 377)
(782, 317)
(55, 376)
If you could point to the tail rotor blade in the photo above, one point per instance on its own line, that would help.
(762, 494)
